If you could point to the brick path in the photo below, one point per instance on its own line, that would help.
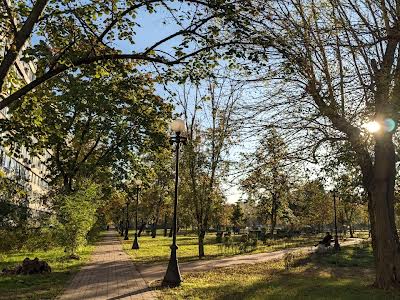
(110, 275)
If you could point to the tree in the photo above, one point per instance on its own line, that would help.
(237, 215)
(311, 205)
(352, 197)
(71, 34)
(85, 122)
(267, 180)
(204, 153)
(156, 199)
(335, 67)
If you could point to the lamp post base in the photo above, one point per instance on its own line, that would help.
(135, 244)
(172, 277)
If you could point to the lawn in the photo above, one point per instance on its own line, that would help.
(347, 275)
(158, 249)
(46, 286)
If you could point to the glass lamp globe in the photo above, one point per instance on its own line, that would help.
(178, 126)
(138, 182)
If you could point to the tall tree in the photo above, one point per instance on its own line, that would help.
(311, 205)
(207, 143)
(88, 121)
(237, 215)
(267, 181)
(352, 197)
(334, 66)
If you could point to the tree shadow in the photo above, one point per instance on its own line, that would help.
(300, 285)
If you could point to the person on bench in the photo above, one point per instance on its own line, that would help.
(326, 241)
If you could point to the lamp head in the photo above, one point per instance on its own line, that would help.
(178, 126)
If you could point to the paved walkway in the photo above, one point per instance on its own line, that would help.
(155, 272)
(109, 275)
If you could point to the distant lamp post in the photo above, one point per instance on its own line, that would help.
(138, 184)
(336, 246)
(172, 277)
(127, 221)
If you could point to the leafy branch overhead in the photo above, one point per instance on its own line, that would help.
(68, 34)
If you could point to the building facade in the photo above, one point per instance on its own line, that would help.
(29, 172)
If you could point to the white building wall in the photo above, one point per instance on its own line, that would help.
(30, 172)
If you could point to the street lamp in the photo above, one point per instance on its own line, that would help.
(172, 277)
(127, 221)
(138, 184)
(336, 246)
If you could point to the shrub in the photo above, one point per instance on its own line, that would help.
(76, 217)
(40, 238)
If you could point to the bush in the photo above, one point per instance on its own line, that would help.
(76, 217)
(40, 239)
(10, 240)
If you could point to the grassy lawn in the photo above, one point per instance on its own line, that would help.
(157, 249)
(39, 286)
(347, 275)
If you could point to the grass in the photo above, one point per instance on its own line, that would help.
(40, 286)
(158, 249)
(347, 275)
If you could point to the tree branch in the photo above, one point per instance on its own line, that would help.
(20, 39)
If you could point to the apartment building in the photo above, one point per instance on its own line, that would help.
(29, 172)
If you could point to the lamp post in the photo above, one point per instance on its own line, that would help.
(121, 224)
(138, 184)
(172, 277)
(127, 221)
(336, 246)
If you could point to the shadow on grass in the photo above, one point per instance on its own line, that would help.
(300, 287)
(344, 275)
(38, 286)
(303, 285)
(350, 256)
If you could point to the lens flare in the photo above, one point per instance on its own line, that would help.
(390, 125)
(372, 126)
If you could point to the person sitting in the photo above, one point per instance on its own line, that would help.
(326, 241)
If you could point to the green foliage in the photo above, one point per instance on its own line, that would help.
(237, 215)
(76, 216)
(72, 33)
(311, 205)
(84, 124)
(267, 182)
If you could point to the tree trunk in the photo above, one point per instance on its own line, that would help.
(273, 215)
(202, 234)
(142, 225)
(385, 240)
(165, 225)
(154, 229)
(351, 230)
